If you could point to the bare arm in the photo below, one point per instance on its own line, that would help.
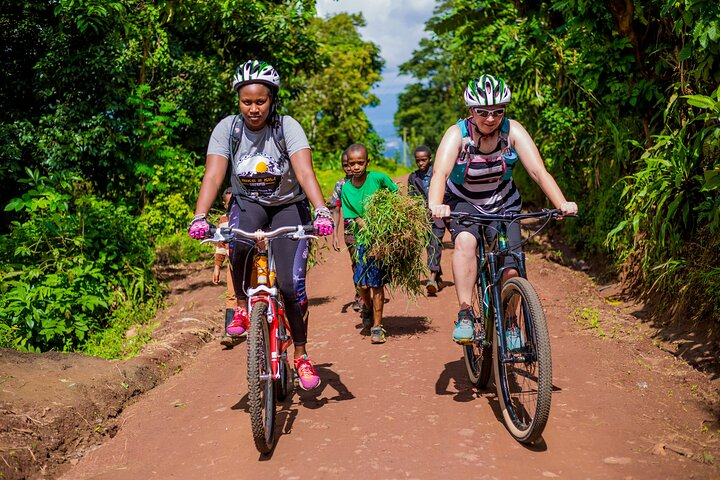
(533, 163)
(337, 218)
(215, 168)
(301, 162)
(445, 157)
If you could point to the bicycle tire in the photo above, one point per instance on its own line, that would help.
(284, 385)
(524, 387)
(261, 395)
(478, 354)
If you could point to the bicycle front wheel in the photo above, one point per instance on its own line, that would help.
(523, 372)
(261, 387)
(478, 354)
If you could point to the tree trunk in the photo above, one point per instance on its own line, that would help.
(623, 12)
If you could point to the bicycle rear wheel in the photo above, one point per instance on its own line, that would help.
(284, 385)
(478, 354)
(524, 376)
(261, 387)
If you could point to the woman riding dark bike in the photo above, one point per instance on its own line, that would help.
(272, 180)
(473, 173)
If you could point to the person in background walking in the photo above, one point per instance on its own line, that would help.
(418, 185)
(222, 253)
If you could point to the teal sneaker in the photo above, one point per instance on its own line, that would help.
(464, 331)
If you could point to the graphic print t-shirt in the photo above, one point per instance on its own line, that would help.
(261, 169)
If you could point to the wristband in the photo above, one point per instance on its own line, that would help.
(323, 212)
(199, 216)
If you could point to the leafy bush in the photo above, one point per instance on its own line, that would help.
(671, 225)
(179, 247)
(68, 263)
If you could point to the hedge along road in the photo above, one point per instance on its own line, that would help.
(622, 408)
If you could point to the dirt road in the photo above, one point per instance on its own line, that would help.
(622, 408)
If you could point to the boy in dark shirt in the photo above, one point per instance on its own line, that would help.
(418, 184)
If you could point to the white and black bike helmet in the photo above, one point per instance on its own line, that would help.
(255, 71)
(486, 91)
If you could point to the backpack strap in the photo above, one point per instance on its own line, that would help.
(504, 131)
(278, 134)
(462, 123)
(236, 131)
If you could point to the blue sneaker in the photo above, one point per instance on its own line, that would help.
(464, 331)
(513, 337)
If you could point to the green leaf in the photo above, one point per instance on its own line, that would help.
(701, 101)
(686, 52)
(711, 180)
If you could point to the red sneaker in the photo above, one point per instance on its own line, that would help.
(309, 378)
(239, 323)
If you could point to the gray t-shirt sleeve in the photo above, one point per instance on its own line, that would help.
(219, 143)
(295, 138)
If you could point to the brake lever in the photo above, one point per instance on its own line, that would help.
(217, 237)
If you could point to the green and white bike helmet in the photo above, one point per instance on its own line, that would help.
(255, 71)
(486, 91)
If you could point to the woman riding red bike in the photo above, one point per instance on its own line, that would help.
(273, 184)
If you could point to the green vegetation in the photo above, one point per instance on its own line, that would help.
(334, 93)
(622, 100)
(107, 108)
(73, 265)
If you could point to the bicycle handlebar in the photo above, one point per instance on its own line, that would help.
(222, 234)
(509, 216)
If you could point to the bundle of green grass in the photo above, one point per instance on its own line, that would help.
(396, 231)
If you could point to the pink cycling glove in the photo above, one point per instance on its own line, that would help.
(198, 228)
(323, 223)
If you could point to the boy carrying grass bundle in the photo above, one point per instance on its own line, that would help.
(369, 276)
(391, 232)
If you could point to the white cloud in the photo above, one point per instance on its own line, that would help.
(396, 26)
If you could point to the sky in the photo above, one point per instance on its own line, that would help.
(396, 26)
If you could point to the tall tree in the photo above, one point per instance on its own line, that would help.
(331, 101)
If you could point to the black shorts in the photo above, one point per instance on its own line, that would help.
(487, 230)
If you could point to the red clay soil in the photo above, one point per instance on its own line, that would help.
(624, 407)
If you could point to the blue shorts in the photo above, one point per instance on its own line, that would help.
(369, 271)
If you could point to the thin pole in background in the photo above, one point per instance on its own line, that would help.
(405, 147)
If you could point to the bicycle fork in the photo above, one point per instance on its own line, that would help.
(278, 342)
(496, 290)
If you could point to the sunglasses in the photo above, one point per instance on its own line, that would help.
(486, 113)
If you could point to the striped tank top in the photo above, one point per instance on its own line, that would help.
(485, 179)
